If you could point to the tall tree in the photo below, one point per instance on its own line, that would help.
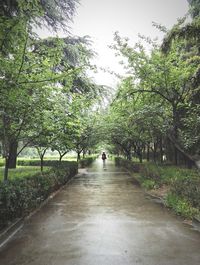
(169, 77)
(53, 13)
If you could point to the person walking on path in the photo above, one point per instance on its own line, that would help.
(103, 156)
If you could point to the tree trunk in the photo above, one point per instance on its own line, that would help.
(175, 156)
(41, 154)
(175, 132)
(128, 154)
(12, 161)
(190, 163)
(169, 150)
(148, 152)
(154, 151)
(6, 169)
(193, 158)
(42, 162)
(61, 156)
(161, 149)
(139, 153)
(140, 157)
(78, 156)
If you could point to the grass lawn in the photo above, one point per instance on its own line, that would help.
(21, 171)
(66, 158)
(71, 158)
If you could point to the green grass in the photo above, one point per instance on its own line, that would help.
(166, 174)
(69, 158)
(65, 158)
(183, 185)
(181, 206)
(21, 172)
(2, 161)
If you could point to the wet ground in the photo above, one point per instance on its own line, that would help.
(103, 218)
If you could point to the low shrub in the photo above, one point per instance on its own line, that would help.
(187, 187)
(47, 163)
(181, 206)
(150, 176)
(151, 172)
(20, 196)
(130, 165)
(86, 161)
(184, 184)
(149, 184)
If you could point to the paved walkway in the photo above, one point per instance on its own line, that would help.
(103, 218)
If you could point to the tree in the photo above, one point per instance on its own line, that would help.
(84, 122)
(54, 13)
(134, 122)
(167, 76)
(26, 76)
(31, 71)
(189, 33)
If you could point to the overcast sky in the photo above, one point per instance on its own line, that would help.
(101, 18)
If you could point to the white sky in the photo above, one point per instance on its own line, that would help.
(101, 18)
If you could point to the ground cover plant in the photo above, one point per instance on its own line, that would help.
(182, 185)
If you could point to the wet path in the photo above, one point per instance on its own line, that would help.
(103, 218)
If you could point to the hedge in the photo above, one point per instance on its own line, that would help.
(86, 161)
(48, 163)
(18, 197)
(121, 162)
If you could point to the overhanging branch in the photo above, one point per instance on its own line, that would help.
(151, 91)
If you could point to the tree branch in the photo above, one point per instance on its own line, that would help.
(151, 91)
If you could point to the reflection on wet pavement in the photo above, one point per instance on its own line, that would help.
(103, 218)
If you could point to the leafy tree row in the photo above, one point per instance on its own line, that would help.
(157, 107)
(45, 94)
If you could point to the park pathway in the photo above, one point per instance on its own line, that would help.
(103, 218)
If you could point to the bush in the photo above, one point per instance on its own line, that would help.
(130, 165)
(150, 177)
(188, 187)
(86, 161)
(151, 172)
(149, 184)
(184, 184)
(47, 163)
(181, 206)
(20, 196)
